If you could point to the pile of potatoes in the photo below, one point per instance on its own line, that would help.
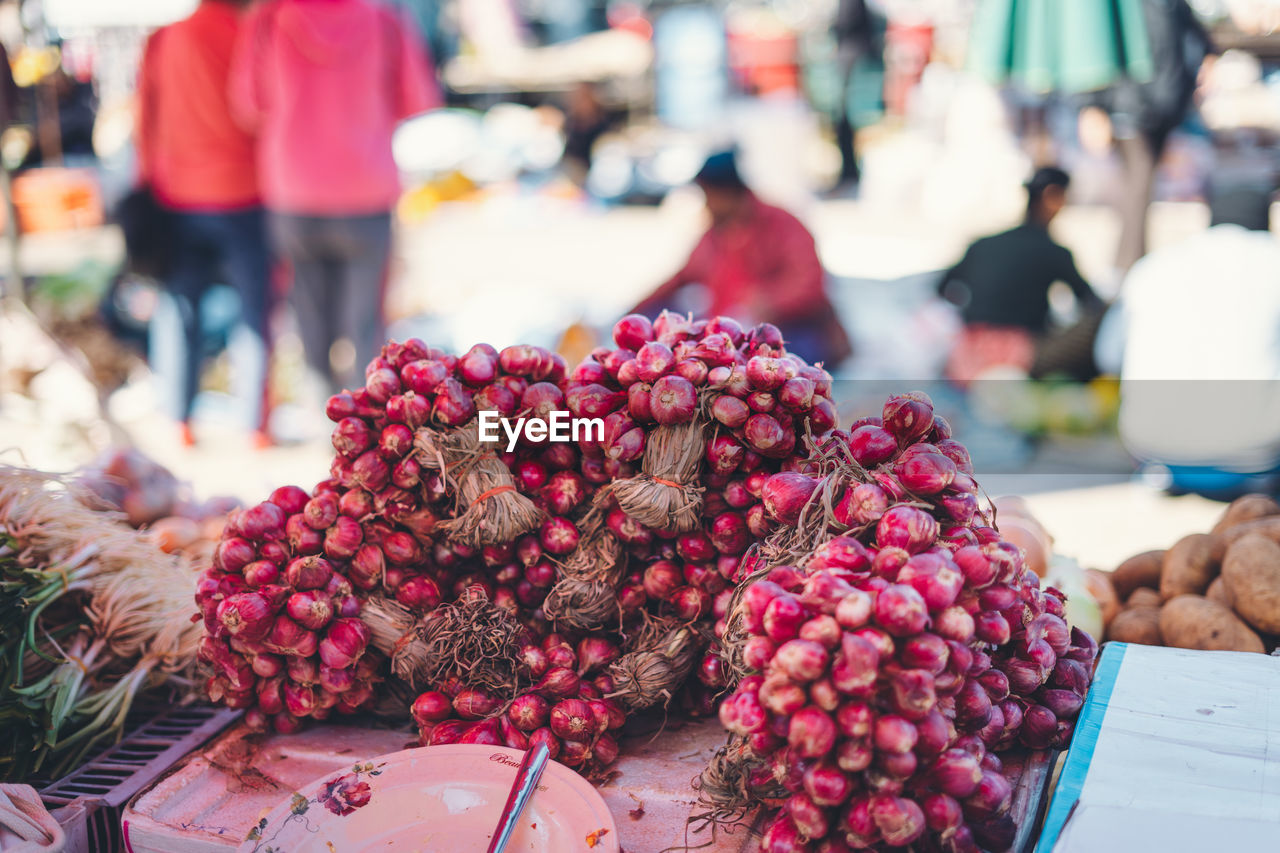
(1218, 590)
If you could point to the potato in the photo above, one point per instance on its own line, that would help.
(1195, 622)
(1137, 625)
(1268, 527)
(1247, 508)
(1252, 574)
(1143, 597)
(1100, 587)
(1219, 592)
(1140, 570)
(1190, 565)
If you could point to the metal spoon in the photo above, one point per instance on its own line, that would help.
(526, 782)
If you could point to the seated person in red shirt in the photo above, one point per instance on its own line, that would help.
(760, 265)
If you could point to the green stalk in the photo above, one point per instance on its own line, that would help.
(112, 709)
(82, 597)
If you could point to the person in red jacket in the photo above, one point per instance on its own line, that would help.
(759, 264)
(200, 166)
(323, 84)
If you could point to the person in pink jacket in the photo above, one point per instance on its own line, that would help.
(323, 85)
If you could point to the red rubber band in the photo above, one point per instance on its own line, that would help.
(496, 490)
(401, 643)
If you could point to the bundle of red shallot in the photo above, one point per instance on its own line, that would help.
(419, 404)
(685, 519)
(586, 597)
(283, 637)
(469, 639)
(308, 561)
(876, 706)
(879, 676)
(446, 508)
(702, 396)
(657, 663)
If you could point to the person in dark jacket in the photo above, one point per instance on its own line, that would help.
(1001, 285)
(1004, 279)
(1144, 114)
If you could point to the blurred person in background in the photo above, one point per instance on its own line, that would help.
(77, 105)
(1002, 283)
(10, 97)
(585, 121)
(1191, 315)
(77, 115)
(200, 166)
(324, 83)
(759, 264)
(1144, 114)
(855, 33)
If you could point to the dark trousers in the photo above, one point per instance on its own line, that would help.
(847, 59)
(339, 277)
(228, 248)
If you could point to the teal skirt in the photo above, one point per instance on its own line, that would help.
(1066, 46)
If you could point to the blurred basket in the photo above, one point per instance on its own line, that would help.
(56, 199)
(88, 801)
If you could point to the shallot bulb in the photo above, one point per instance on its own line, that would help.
(908, 416)
(786, 494)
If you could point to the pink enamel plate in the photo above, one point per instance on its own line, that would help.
(438, 799)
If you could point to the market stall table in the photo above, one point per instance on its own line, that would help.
(212, 799)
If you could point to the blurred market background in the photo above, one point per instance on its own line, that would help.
(552, 193)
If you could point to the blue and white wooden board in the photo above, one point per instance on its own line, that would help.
(1174, 750)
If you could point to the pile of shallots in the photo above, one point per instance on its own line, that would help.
(709, 410)
(417, 513)
(883, 639)
(887, 667)
(657, 393)
(282, 600)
